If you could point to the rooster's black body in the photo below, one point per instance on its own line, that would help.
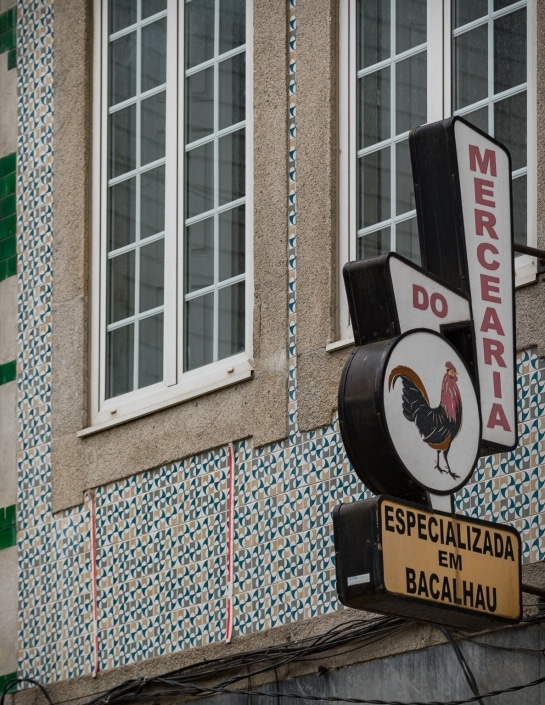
(438, 425)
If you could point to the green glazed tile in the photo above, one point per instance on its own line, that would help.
(12, 17)
(7, 205)
(7, 516)
(12, 59)
(8, 228)
(8, 164)
(8, 372)
(8, 40)
(5, 679)
(8, 268)
(7, 185)
(8, 247)
(5, 22)
(8, 20)
(8, 537)
(11, 264)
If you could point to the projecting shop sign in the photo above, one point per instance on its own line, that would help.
(429, 388)
(431, 565)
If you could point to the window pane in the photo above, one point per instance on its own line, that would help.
(232, 166)
(154, 54)
(199, 105)
(152, 267)
(500, 4)
(231, 243)
(199, 32)
(404, 179)
(199, 332)
(374, 108)
(410, 24)
(151, 7)
(122, 69)
(479, 118)
(232, 87)
(510, 127)
(470, 64)
(374, 244)
(121, 275)
(510, 51)
(120, 366)
(122, 14)
(520, 209)
(122, 142)
(153, 128)
(411, 97)
(152, 202)
(374, 188)
(232, 24)
(150, 350)
(464, 11)
(199, 257)
(407, 240)
(231, 320)
(373, 32)
(199, 185)
(122, 214)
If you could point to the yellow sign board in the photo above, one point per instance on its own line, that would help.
(450, 560)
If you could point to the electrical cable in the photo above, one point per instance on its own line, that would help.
(501, 647)
(8, 685)
(468, 673)
(342, 639)
(209, 690)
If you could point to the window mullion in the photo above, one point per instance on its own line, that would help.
(171, 322)
(437, 37)
(136, 331)
(531, 121)
(393, 120)
(490, 68)
(101, 260)
(180, 194)
(215, 327)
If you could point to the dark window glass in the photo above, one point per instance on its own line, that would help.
(120, 354)
(199, 31)
(150, 350)
(122, 14)
(121, 274)
(232, 24)
(373, 24)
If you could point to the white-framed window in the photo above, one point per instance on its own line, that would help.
(172, 247)
(408, 62)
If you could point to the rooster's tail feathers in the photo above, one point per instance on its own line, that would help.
(403, 371)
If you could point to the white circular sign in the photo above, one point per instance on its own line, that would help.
(431, 411)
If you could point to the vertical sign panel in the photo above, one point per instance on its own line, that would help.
(485, 188)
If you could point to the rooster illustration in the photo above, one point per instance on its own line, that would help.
(438, 426)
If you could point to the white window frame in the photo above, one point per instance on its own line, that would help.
(438, 107)
(177, 385)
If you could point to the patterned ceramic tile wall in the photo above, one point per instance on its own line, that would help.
(161, 536)
(510, 487)
(292, 216)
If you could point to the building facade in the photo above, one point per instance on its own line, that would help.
(189, 181)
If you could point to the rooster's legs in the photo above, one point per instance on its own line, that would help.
(446, 470)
